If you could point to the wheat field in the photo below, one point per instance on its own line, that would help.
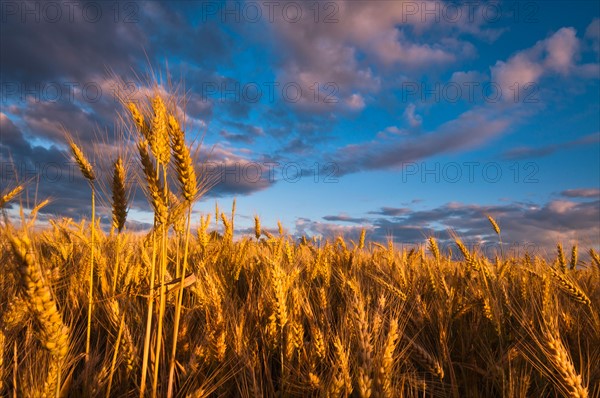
(188, 310)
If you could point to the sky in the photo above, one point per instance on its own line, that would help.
(407, 118)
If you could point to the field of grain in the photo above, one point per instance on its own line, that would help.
(194, 311)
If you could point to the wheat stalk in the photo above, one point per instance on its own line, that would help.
(10, 195)
(84, 165)
(119, 196)
(257, 231)
(595, 258)
(573, 262)
(88, 172)
(154, 189)
(387, 360)
(186, 175)
(361, 239)
(53, 333)
(570, 288)
(494, 225)
(562, 262)
(138, 120)
(570, 381)
(159, 136)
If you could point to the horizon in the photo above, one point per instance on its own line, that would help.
(409, 119)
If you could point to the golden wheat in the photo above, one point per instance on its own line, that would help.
(53, 333)
(119, 196)
(10, 195)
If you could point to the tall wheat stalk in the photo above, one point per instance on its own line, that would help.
(88, 172)
(119, 211)
(186, 175)
(162, 152)
(158, 203)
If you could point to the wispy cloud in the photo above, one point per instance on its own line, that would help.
(581, 193)
(470, 130)
(525, 152)
(345, 218)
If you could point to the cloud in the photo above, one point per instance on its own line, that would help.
(53, 174)
(233, 173)
(345, 218)
(48, 171)
(562, 49)
(592, 33)
(391, 131)
(525, 152)
(413, 119)
(233, 137)
(524, 226)
(477, 126)
(391, 211)
(581, 193)
(247, 134)
(471, 129)
(71, 46)
(366, 41)
(356, 102)
(555, 55)
(305, 226)
(391, 46)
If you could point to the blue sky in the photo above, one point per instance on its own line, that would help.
(420, 116)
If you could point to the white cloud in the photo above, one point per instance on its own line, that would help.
(413, 119)
(562, 49)
(368, 38)
(519, 69)
(557, 54)
(356, 102)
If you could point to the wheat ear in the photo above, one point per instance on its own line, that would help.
(562, 262)
(84, 165)
(119, 196)
(54, 334)
(159, 136)
(186, 175)
(570, 381)
(257, 231)
(570, 288)
(10, 195)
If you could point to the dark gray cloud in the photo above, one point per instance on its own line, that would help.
(51, 173)
(76, 42)
(48, 171)
(523, 225)
(391, 211)
(346, 218)
(47, 64)
(246, 133)
(236, 137)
